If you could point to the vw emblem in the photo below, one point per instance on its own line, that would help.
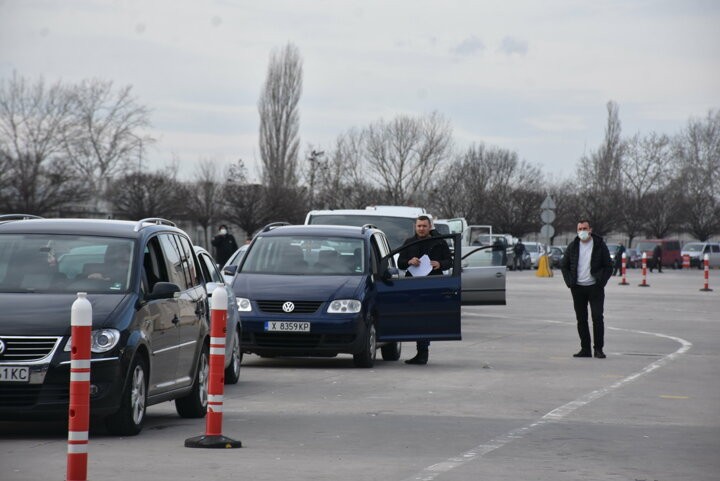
(288, 307)
(2, 347)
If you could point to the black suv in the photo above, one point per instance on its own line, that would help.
(150, 338)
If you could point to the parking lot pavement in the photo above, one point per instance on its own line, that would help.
(507, 403)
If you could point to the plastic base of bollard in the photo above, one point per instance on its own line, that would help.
(706, 289)
(212, 442)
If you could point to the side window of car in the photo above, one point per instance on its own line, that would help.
(188, 261)
(210, 272)
(154, 264)
(716, 248)
(173, 260)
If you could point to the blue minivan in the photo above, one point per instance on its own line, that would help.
(323, 290)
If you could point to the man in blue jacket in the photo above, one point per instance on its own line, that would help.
(586, 268)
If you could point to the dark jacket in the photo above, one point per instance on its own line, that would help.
(225, 246)
(436, 250)
(601, 267)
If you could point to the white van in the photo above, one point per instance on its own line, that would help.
(397, 222)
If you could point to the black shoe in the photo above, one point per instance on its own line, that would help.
(599, 354)
(582, 353)
(420, 358)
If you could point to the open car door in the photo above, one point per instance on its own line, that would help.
(419, 308)
(483, 275)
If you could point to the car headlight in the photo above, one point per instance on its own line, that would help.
(101, 340)
(344, 306)
(243, 304)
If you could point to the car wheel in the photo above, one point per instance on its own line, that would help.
(232, 372)
(128, 420)
(366, 357)
(391, 351)
(194, 404)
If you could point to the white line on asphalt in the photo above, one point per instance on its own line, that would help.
(435, 470)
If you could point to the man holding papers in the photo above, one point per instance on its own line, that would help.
(429, 258)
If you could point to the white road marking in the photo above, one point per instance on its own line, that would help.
(431, 472)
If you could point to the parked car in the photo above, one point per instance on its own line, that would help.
(671, 252)
(215, 280)
(230, 267)
(556, 255)
(322, 290)
(150, 338)
(535, 249)
(697, 251)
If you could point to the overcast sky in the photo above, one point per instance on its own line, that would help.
(530, 76)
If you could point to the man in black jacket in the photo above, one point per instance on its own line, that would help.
(440, 257)
(225, 245)
(586, 268)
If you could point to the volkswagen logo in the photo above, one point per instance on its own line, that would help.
(288, 307)
(2, 347)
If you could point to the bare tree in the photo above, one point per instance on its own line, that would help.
(138, 195)
(34, 119)
(601, 177)
(405, 154)
(280, 119)
(698, 149)
(203, 197)
(647, 168)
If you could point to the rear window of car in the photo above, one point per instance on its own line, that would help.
(305, 255)
(646, 246)
(64, 263)
(693, 247)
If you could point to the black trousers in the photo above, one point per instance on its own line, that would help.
(595, 296)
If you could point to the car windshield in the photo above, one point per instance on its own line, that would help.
(612, 248)
(64, 263)
(396, 229)
(305, 256)
(646, 246)
(693, 247)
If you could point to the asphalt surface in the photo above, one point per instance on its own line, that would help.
(509, 402)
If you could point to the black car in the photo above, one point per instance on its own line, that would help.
(150, 338)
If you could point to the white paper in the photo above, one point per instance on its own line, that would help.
(423, 269)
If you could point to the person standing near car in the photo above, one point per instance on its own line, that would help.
(519, 250)
(657, 259)
(617, 270)
(586, 269)
(440, 259)
(224, 244)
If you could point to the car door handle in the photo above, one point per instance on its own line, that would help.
(449, 293)
(499, 274)
(175, 320)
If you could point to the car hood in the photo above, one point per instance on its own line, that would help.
(25, 314)
(300, 288)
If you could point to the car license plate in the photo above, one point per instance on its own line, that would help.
(287, 326)
(14, 374)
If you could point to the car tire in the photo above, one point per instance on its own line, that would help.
(194, 404)
(232, 372)
(366, 357)
(128, 420)
(391, 351)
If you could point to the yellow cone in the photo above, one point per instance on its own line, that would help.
(543, 269)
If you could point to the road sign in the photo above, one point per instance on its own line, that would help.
(548, 203)
(547, 231)
(547, 216)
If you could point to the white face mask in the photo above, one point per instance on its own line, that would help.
(223, 231)
(583, 235)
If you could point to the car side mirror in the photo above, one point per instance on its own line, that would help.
(163, 290)
(229, 270)
(390, 273)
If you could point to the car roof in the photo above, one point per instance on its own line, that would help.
(96, 227)
(318, 230)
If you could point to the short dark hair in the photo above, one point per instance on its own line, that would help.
(424, 217)
(222, 226)
(583, 220)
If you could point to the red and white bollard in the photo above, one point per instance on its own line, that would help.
(644, 271)
(79, 410)
(213, 437)
(623, 270)
(706, 261)
(686, 261)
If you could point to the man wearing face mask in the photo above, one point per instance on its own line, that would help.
(224, 244)
(586, 268)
